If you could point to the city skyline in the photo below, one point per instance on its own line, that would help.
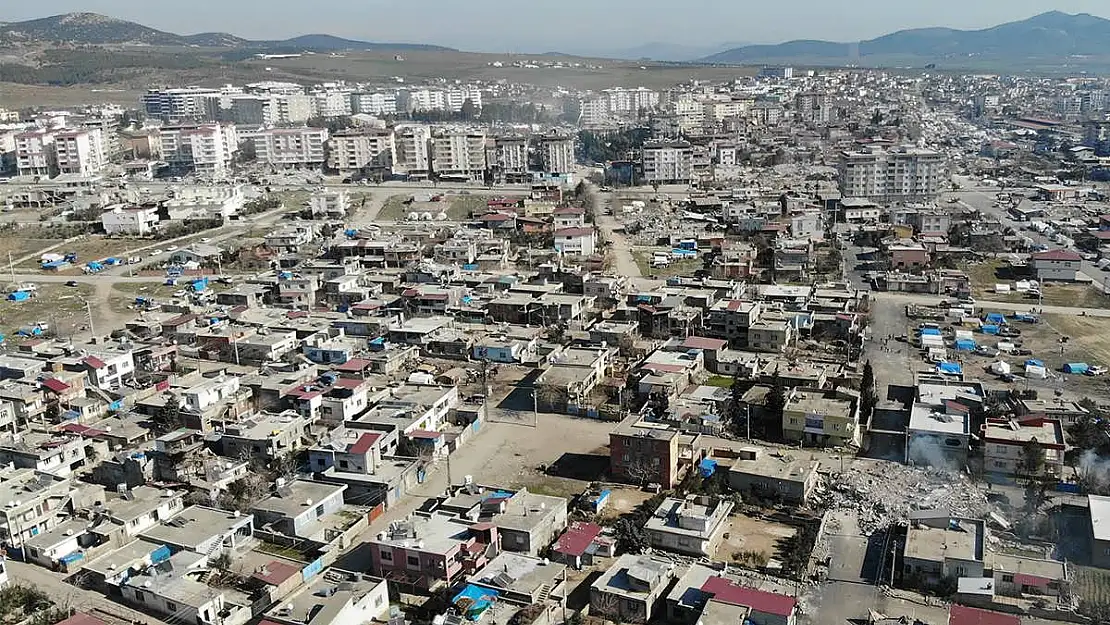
(578, 27)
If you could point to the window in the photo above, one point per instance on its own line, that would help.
(1008, 579)
(414, 561)
(319, 462)
(139, 596)
(319, 511)
(171, 606)
(386, 555)
(343, 464)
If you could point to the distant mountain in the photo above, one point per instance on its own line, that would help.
(1052, 35)
(654, 51)
(94, 29)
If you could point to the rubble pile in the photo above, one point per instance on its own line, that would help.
(885, 495)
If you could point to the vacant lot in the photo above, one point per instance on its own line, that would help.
(985, 275)
(457, 207)
(685, 267)
(56, 305)
(752, 540)
(624, 500)
(1086, 337)
(1092, 585)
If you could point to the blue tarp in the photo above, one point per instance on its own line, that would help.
(57, 264)
(200, 285)
(990, 329)
(996, 318)
(474, 600)
(708, 467)
(681, 252)
(965, 345)
(1076, 367)
(1033, 362)
(19, 296)
(930, 332)
(951, 368)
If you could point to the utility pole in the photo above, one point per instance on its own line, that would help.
(11, 266)
(92, 328)
(748, 420)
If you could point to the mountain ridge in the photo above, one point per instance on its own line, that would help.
(1053, 34)
(86, 28)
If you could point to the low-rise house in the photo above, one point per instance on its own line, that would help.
(1008, 444)
(59, 454)
(1016, 576)
(333, 597)
(137, 220)
(522, 579)
(264, 435)
(631, 588)
(1057, 265)
(646, 452)
(694, 526)
(576, 546)
(939, 431)
(774, 475)
(817, 418)
(576, 241)
(202, 530)
(429, 552)
(173, 589)
(1098, 507)
(300, 508)
(703, 594)
(940, 546)
(41, 502)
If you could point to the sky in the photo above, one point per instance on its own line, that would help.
(565, 26)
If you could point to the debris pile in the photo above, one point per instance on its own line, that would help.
(884, 495)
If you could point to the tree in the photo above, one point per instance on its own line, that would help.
(1032, 459)
(658, 405)
(469, 110)
(868, 396)
(168, 417)
(775, 401)
(631, 537)
(737, 412)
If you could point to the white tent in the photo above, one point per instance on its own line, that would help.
(1035, 372)
(1001, 288)
(1000, 368)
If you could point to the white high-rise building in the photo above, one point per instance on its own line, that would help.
(410, 150)
(79, 152)
(178, 105)
(668, 162)
(454, 98)
(901, 174)
(332, 102)
(556, 153)
(507, 158)
(34, 153)
(356, 151)
(459, 153)
(378, 103)
(207, 149)
(291, 148)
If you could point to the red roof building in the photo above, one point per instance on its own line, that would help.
(758, 601)
(963, 615)
(577, 539)
(1059, 255)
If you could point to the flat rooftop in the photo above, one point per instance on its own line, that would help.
(926, 418)
(296, 497)
(793, 467)
(195, 525)
(960, 542)
(526, 572)
(1047, 432)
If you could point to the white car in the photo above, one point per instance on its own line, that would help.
(172, 248)
(205, 240)
(157, 253)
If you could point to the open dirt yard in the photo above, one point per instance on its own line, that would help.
(622, 501)
(457, 207)
(985, 275)
(752, 539)
(56, 305)
(684, 267)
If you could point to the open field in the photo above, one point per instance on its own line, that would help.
(685, 267)
(457, 207)
(1092, 584)
(1086, 337)
(17, 96)
(55, 304)
(123, 294)
(747, 535)
(985, 275)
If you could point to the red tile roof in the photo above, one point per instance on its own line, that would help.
(55, 385)
(577, 538)
(1066, 255)
(574, 232)
(354, 364)
(94, 362)
(963, 615)
(425, 434)
(276, 573)
(80, 618)
(700, 342)
(1026, 579)
(364, 443)
(759, 601)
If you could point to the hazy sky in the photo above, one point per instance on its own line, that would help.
(508, 25)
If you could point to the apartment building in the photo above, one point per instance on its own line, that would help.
(136, 220)
(459, 154)
(900, 174)
(359, 151)
(507, 157)
(813, 108)
(1006, 443)
(668, 162)
(427, 99)
(178, 105)
(820, 419)
(376, 103)
(556, 153)
(410, 150)
(207, 149)
(332, 101)
(291, 148)
(34, 153)
(79, 152)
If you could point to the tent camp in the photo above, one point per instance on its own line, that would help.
(1035, 369)
(990, 329)
(949, 368)
(996, 318)
(1076, 368)
(965, 345)
(1000, 368)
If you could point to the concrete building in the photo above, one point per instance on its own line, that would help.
(694, 526)
(459, 154)
(556, 153)
(178, 105)
(507, 158)
(668, 162)
(1099, 508)
(291, 148)
(756, 472)
(208, 150)
(374, 103)
(79, 152)
(137, 220)
(1057, 265)
(939, 431)
(630, 590)
(576, 241)
(34, 154)
(410, 150)
(815, 418)
(901, 174)
(646, 452)
(357, 152)
(941, 546)
(1005, 444)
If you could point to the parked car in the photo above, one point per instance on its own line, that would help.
(1023, 352)
(72, 283)
(1096, 370)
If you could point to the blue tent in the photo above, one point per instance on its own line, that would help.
(990, 329)
(1033, 362)
(930, 332)
(708, 467)
(965, 345)
(19, 296)
(1076, 367)
(949, 368)
(996, 318)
